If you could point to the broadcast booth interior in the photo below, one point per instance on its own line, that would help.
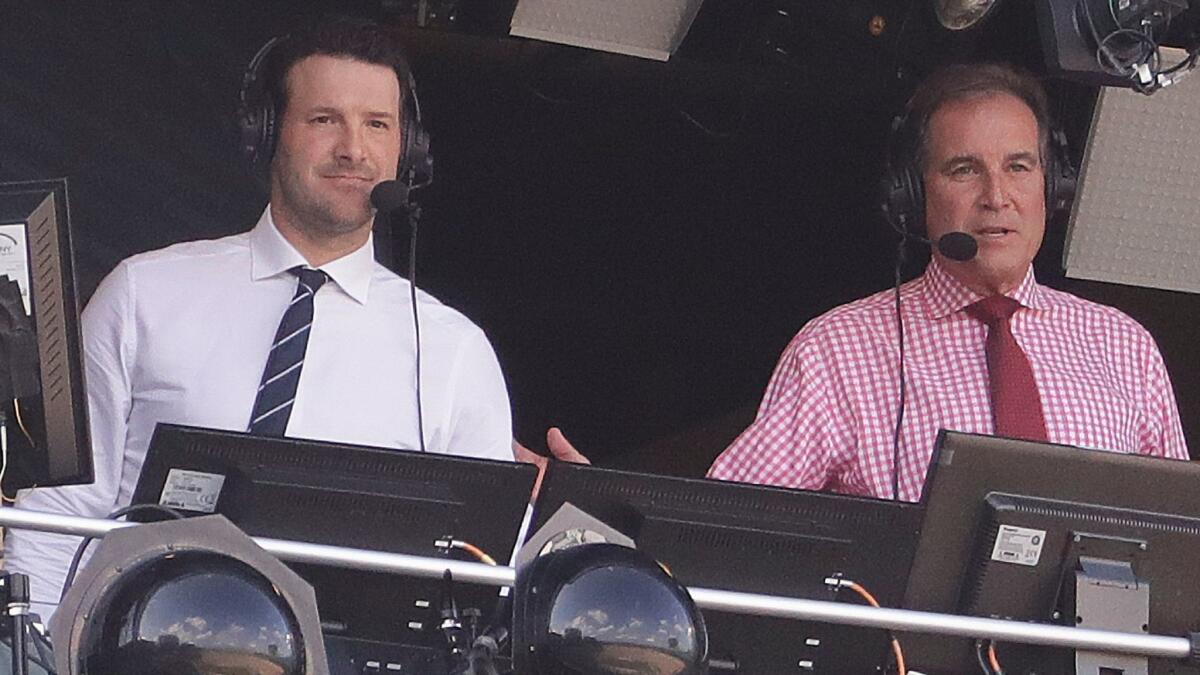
(345, 495)
(1056, 534)
(755, 539)
(42, 397)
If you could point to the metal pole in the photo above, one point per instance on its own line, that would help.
(941, 624)
(17, 590)
(705, 598)
(293, 551)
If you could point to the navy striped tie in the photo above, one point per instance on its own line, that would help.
(273, 405)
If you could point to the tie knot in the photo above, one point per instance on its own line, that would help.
(994, 309)
(311, 278)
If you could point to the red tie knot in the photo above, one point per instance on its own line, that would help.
(994, 309)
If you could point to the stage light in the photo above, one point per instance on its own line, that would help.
(604, 608)
(651, 29)
(1102, 42)
(962, 14)
(187, 597)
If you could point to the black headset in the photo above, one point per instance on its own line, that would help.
(902, 189)
(258, 123)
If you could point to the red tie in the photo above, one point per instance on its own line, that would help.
(1016, 406)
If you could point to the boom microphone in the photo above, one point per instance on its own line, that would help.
(958, 246)
(389, 196)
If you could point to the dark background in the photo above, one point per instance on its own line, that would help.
(639, 239)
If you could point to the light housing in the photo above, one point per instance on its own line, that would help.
(604, 608)
(962, 14)
(187, 597)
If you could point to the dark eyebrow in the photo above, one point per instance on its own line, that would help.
(331, 110)
(323, 109)
(1023, 155)
(958, 159)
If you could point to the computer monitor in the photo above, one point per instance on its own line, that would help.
(346, 495)
(42, 392)
(756, 539)
(1048, 533)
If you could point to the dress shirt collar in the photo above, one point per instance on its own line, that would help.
(271, 255)
(944, 295)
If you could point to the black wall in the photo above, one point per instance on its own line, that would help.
(639, 239)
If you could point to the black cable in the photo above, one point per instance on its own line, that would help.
(1186, 63)
(1149, 53)
(983, 664)
(41, 660)
(901, 255)
(414, 214)
(124, 511)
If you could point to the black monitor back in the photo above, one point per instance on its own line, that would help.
(346, 495)
(1143, 510)
(48, 435)
(756, 539)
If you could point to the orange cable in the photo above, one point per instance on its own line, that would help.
(993, 660)
(854, 586)
(473, 550)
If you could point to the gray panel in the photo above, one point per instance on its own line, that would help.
(649, 29)
(1136, 219)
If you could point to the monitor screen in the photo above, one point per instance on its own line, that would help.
(756, 539)
(42, 394)
(346, 495)
(1038, 532)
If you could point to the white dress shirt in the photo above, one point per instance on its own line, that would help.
(182, 334)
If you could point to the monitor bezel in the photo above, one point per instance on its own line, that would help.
(66, 458)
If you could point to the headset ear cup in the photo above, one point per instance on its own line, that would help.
(416, 156)
(268, 134)
(257, 128)
(915, 195)
(1061, 179)
(903, 194)
(904, 199)
(250, 118)
(256, 111)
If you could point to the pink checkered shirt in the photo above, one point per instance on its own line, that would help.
(829, 414)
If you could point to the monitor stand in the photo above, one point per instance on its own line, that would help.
(1107, 595)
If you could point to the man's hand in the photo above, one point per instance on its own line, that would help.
(560, 449)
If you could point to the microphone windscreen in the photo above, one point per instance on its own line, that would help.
(958, 246)
(389, 195)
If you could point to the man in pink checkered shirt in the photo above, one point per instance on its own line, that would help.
(828, 417)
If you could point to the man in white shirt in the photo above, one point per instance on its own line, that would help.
(183, 334)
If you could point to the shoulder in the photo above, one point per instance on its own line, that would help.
(851, 322)
(394, 293)
(165, 268)
(179, 259)
(1094, 318)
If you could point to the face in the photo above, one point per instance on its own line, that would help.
(339, 137)
(983, 176)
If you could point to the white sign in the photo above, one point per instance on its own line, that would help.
(1019, 545)
(14, 257)
(192, 490)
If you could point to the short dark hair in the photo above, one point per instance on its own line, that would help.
(963, 81)
(346, 37)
